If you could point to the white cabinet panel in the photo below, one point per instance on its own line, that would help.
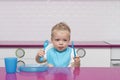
(115, 57)
(115, 53)
(7, 52)
(96, 57)
(28, 58)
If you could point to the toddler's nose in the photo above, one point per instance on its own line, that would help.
(60, 42)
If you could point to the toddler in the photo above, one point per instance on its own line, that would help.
(60, 54)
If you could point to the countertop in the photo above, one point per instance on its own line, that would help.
(80, 73)
(100, 44)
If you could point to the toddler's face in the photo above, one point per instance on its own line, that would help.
(61, 40)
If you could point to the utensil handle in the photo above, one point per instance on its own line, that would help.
(73, 49)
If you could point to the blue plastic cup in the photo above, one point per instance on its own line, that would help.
(10, 64)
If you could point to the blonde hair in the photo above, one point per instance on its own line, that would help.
(60, 27)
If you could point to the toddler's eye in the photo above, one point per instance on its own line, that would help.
(56, 39)
(65, 40)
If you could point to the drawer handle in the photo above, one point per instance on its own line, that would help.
(81, 52)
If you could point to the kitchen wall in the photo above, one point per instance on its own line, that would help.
(33, 20)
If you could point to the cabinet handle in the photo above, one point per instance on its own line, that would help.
(20, 52)
(81, 52)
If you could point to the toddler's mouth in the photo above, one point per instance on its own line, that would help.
(61, 48)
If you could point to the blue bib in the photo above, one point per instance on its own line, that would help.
(59, 58)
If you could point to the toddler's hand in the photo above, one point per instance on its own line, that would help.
(77, 61)
(41, 53)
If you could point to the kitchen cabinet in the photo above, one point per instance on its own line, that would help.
(28, 58)
(96, 57)
(97, 53)
(115, 53)
(115, 57)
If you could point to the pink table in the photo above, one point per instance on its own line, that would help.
(83, 73)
